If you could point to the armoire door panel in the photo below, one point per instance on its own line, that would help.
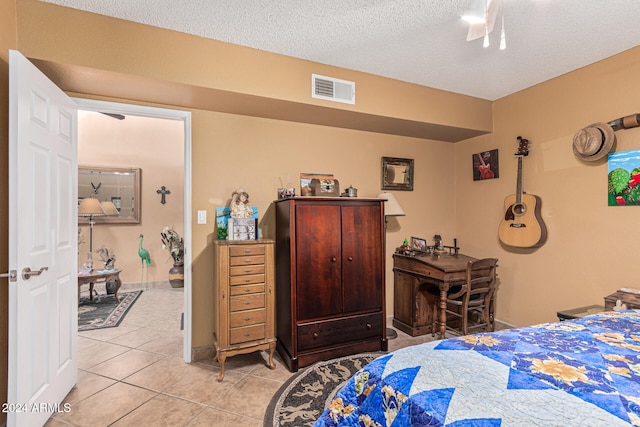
(361, 228)
(319, 260)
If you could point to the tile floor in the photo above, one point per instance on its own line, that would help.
(134, 375)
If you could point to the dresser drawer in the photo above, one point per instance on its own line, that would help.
(247, 289)
(246, 280)
(331, 332)
(246, 269)
(248, 333)
(246, 260)
(247, 318)
(246, 302)
(246, 250)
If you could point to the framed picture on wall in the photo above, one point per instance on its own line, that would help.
(397, 173)
(485, 165)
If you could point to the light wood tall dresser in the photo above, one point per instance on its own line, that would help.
(244, 294)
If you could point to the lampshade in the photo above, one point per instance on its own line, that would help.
(391, 205)
(90, 207)
(109, 208)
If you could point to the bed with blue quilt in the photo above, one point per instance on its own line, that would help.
(582, 372)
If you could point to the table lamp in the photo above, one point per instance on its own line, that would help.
(90, 208)
(391, 208)
(109, 208)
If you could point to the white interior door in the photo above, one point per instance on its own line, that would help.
(43, 165)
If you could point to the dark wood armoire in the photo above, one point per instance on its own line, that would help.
(330, 278)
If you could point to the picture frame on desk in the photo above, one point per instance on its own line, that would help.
(418, 244)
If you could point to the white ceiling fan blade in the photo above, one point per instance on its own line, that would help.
(477, 31)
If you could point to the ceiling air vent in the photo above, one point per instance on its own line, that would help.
(332, 89)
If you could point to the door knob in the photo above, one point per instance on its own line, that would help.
(12, 275)
(27, 273)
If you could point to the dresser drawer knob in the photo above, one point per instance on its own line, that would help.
(247, 303)
(333, 259)
(246, 319)
(247, 281)
(368, 325)
(248, 260)
(350, 258)
(315, 335)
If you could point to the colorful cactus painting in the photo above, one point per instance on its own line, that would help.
(624, 178)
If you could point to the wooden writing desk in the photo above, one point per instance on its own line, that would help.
(413, 275)
(99, 276)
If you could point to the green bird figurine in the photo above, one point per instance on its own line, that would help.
(144, 254)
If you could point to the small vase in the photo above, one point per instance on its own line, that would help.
(176, 275)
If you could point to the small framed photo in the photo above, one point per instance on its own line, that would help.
(418, 244)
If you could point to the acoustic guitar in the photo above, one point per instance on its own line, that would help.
(522, 225)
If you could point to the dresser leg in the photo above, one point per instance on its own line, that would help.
(221, 358)
(272, 348)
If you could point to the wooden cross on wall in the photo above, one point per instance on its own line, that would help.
(163, 192)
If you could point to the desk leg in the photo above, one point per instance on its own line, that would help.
(118, 284)
(443, 311)
(90, 291)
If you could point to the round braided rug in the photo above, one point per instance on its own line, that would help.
(300, 400)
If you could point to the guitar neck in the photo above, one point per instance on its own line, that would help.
(519, 182)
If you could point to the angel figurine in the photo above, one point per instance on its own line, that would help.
(240, 207)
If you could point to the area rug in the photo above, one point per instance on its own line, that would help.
(104, 311)
(300, 401)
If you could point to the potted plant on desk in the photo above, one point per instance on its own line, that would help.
(172, 242)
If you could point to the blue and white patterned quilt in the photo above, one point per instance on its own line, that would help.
(583, 372)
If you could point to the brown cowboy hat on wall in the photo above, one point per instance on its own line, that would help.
(593, 142)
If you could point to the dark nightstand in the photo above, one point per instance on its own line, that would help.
(577, 313)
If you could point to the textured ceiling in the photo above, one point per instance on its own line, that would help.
(417, 41)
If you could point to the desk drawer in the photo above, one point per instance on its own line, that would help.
(246, 302)
(246, 280)
(246, 250)
(246, 260)
(246, 269)
(331, 332)
(248, 333)
(247, 289)
(247, 318)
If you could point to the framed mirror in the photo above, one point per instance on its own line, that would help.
(120, 186)
(397, 173)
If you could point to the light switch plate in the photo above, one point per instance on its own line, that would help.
(202, 217)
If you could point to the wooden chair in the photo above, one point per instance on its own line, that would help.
(474, 299)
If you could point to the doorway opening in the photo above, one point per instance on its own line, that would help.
(165, 121)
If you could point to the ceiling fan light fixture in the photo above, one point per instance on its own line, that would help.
(503, 39)
(477, 12)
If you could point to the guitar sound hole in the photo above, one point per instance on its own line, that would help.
(519, 209)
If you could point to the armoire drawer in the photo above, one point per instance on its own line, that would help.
(247, 289)
(246, 269)
(331, 332)
(235, 251)
(246, 302)
(247, 318)
(246, 280)
(246, 260)
(249, 333)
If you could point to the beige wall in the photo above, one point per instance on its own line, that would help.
(590, 252)
(157, 147)
(242, 144)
